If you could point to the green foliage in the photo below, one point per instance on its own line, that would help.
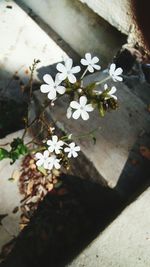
(18, 148)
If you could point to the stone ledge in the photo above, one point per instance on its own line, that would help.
(118, 138)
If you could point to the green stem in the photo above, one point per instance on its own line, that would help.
(102, 81)
(84, 73)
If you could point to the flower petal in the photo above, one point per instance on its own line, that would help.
(71, 78)
(66, 149)
(48, 79)
(95, 60)
(62, 76)
(46, 154)
(68, 63)
(113, 90)
(74, 154)
(89, 108)
(38, 155)
(52, 94)
(76, 114)
(119, 78)
(69, 113)
(83, 100)
(74, 104)
(39, 162)
(118, 71)
(90, 69)
(76, 69)
(54, 138)
(60, 67)
(97, 67)
(57, 165)
(44, 88)
(61, 90)
(77, 148)
(84, 115)
(112, 68)
(88, 57)
(84, 62)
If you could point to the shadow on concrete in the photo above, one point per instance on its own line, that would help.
(64, 224)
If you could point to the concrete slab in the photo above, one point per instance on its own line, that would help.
(82, 29)
(125, 243)
(22, 42)
(118, 133)
(9, 193)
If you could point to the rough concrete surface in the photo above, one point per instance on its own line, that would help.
(22, 42)
(82, 29)
(125, 243)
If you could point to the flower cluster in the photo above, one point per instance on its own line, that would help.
(53, 155)
(85, 99)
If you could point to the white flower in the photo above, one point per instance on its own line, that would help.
(52, 87)
(111, 92)
(90, 62)
(82, 108)
(53, 163)
(67, 71)
(42, 159)
(114, 73)
(55, 145)
(69, 112)
(72, 150)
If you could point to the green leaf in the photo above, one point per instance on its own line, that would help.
(3, 153)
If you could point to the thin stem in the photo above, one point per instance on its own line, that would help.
(102, 81)
(84, 73)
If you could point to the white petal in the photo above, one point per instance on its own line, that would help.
(84, 62)
(77, 148)
(76, 114)
(95, 60)
(62, 76)
(89, 108)
(68, 63)
(105, 86)
(83, 100)
(39, 162)
(90, 69)
(45, 88)
(75, 154)
(57, 80)
(69, 113)
(55, 138)
(72, 145)
(60, 143)
(57, 165)
(38, 155)
(113, 90)
(88, 57)
(115, 97)
(49, 142)
(97, 67)
(112, 68)
(52, 94)
(118, 71)
(67, 149)
(76, 69)
(69, 154)
(71, 78)
(75, 105)
(84, 115)
(50, 166)
(119, 78)
(46, 153)
(51, 148)
(61, 90)
(60, 67)
(48, 79)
